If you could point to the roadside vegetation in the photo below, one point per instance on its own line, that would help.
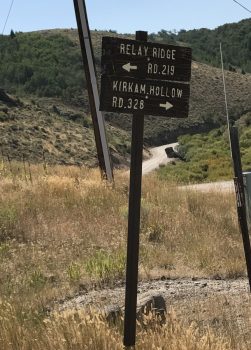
(63, 231)
(207, 157)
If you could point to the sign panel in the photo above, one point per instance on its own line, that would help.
(149, 97)
(140, 59)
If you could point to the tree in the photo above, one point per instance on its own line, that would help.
(12, 34)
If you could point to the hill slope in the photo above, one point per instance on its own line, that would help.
(235, 39)
(49, 130)
(45, 68)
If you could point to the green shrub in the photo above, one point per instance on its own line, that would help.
(207, 157)
(74, 272)
(106, 266)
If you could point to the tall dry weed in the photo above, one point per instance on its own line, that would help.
(75, 330)
(59, 232)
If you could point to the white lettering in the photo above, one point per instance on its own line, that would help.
(151, 90)
(114, 101)
(117, 102)
(162, 91)
(124, 89)
(149, 68)
(115, 85)
(142, 89)
(179, 93)
(131, 49)
(143, 50)
(121, 102)
(163, 53)
(130, 85)
(155, 52)
(128, 46)
(122, 48)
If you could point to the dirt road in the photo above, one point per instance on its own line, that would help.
(220, 186)
(158, 157)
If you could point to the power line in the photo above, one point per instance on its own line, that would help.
(8, 16)
(245, 8)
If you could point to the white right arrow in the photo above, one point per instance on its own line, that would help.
(128, 67)
(166, 105)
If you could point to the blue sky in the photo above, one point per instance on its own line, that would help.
(125, 16)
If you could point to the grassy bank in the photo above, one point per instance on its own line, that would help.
(207, 157)
(63, 231)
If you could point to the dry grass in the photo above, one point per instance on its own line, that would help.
(78, 330)
(62, 229)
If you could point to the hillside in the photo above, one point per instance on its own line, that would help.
(235, 39)
(206, 157)
(44, 69)
(47, 130)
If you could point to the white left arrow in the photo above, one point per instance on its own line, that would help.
(128, 67)
(166, 105)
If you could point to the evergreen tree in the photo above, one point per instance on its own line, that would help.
(12, 34)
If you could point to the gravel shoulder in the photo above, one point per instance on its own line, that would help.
(221, 304)
(173, 290)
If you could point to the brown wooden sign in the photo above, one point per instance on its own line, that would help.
(138, 59)
(149, 97)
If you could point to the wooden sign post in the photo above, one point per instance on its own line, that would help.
(134, 223)
(141, 78)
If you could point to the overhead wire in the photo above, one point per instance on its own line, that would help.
(8, 15)
(245, 8)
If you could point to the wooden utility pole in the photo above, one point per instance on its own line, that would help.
(92, 87)
(238, 181)
(240, 197)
